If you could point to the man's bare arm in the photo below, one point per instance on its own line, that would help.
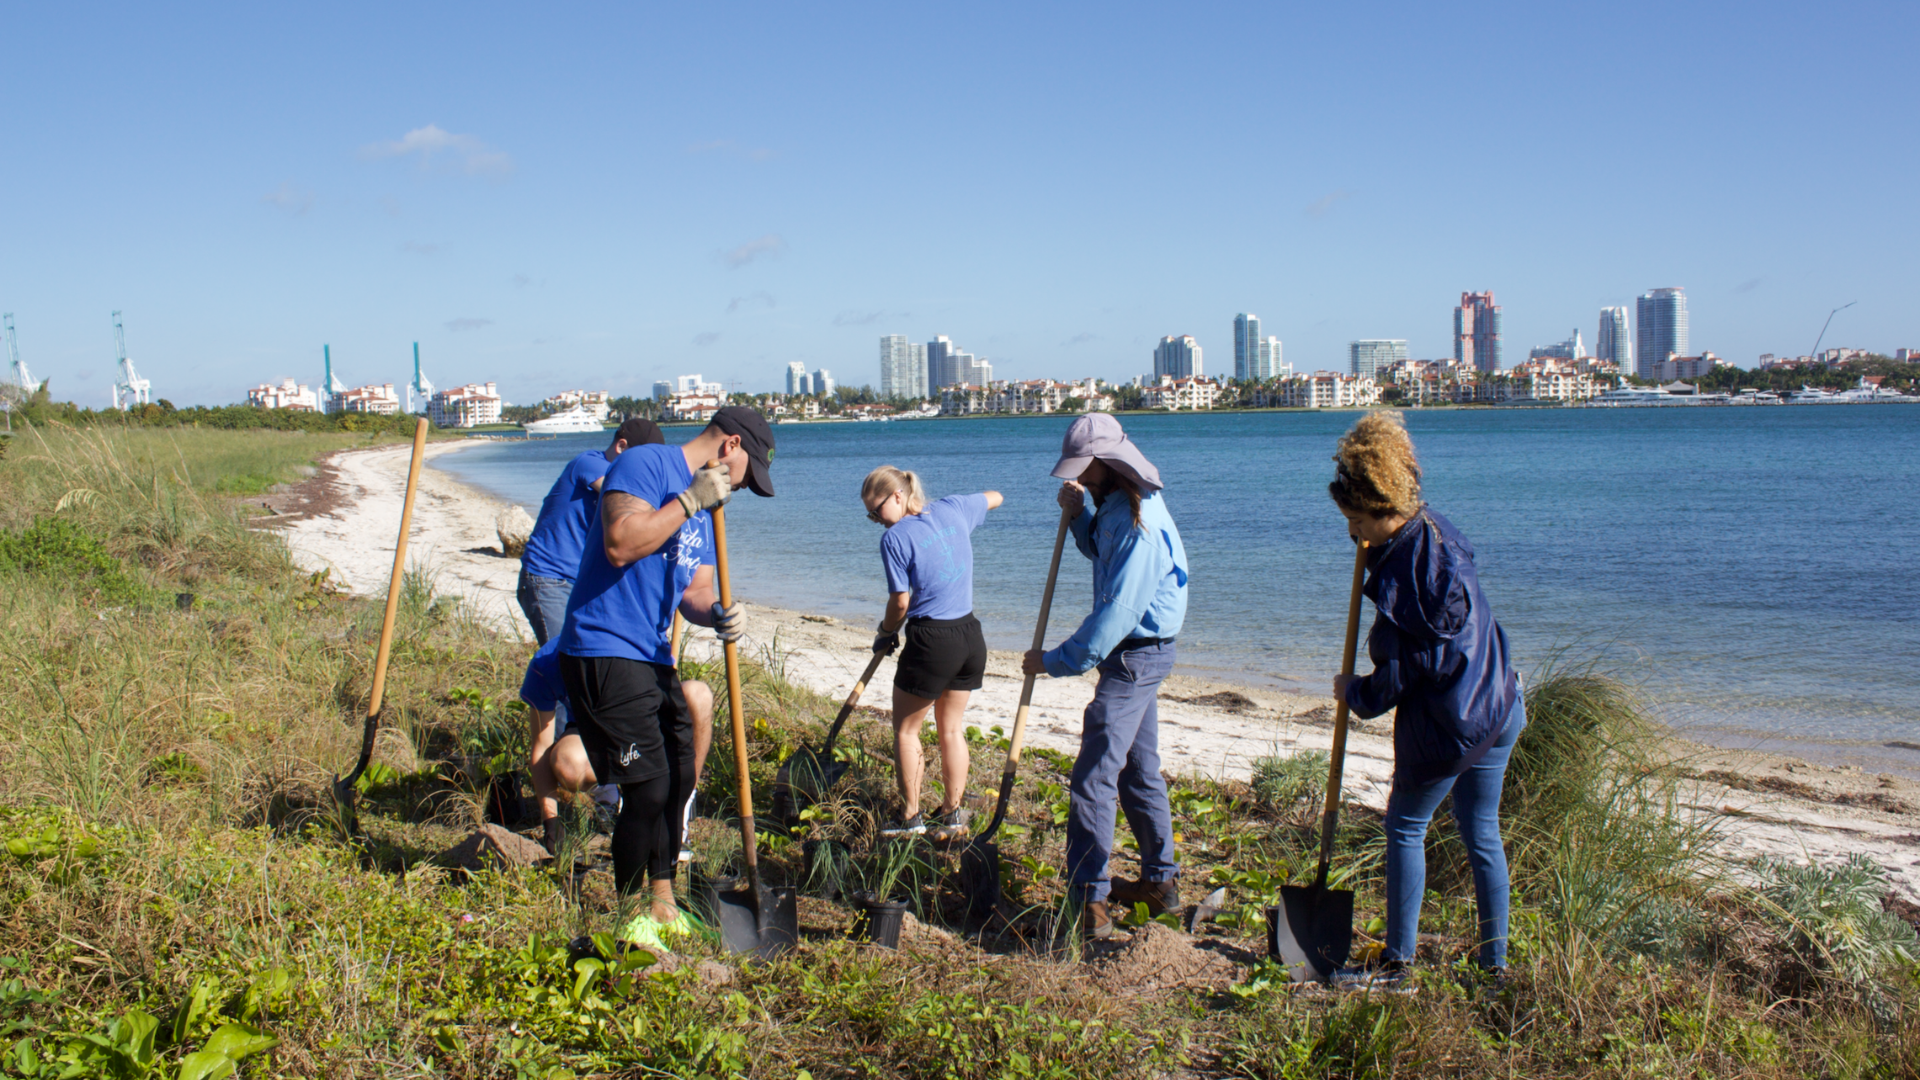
(634, 529)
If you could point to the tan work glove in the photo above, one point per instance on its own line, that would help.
(710, 488)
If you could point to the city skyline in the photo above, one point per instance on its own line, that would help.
(1660, 328)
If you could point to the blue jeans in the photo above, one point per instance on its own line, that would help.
(543, 600)
(1476, 809)
(1119, 769)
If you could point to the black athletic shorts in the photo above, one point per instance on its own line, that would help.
(630, 715)
(941, 655)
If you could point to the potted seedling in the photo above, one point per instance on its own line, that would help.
(715, 865)
(880, 883)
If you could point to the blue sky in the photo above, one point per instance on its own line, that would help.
(611, 195)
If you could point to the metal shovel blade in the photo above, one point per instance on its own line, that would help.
(765, 925)
(1311, 931)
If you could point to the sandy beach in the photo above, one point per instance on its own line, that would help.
(346, 518)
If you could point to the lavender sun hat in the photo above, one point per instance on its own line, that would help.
(1098, 435)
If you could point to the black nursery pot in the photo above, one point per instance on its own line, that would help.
(824, 883)
(704, 889)
(879, 921)
(504, 805)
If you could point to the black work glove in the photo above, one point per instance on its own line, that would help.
(884, 643)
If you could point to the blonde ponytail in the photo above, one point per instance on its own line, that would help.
(886, 480)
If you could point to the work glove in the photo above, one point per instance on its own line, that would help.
(884, 643)
(729, 622)
(710, 488)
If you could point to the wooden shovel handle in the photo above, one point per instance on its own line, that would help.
(735, 706)
(399, 574)
(1026, 688)
(1336, 770)
(846, 709)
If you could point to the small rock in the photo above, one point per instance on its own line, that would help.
(491, 845)
(513, 526)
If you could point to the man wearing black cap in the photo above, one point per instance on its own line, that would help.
(648, 553)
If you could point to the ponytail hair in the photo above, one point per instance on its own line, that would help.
(886, 480)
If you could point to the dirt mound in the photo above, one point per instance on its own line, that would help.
(491, 845)
(1227, 700)
(1160, 959)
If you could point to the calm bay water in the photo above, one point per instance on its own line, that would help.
(1754, 568)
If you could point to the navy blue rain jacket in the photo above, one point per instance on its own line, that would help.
(1438, 655)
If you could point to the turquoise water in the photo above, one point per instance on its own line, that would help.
(1754, 568)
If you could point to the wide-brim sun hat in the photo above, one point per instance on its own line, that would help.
(1098, 435)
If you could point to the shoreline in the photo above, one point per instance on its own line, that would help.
(345, 517)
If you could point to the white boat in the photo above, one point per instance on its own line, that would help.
(572, 422)
(1631, 396)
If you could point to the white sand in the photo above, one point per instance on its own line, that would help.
(454, 523)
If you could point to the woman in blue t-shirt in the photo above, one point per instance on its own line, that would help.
(929, 565)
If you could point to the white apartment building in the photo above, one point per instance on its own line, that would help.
(465, 406)
(1320, 390)
(380, 400)
(595, 401)
(693, 384)
(1682, 368)
(288, 395)
(966, 399)
(1176, 394)
(693, 406)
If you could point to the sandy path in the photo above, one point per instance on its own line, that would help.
(353, 532)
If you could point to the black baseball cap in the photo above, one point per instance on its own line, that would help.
(639, 432)
(756, 438)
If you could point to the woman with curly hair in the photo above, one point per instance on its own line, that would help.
(1441, 661)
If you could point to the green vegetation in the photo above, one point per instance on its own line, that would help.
(41, 410)
(1898, 376)
(179, 899)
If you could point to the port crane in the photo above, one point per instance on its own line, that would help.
(17, 370)
(420, 388)
(130, 389)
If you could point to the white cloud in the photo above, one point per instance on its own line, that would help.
(706, 339)
(1080, 339)
(428, 143)
(287, 197)
(416, 247)
(468, 323)
(751, 300)
(858, 318)
(766, 247)
(1324, 205)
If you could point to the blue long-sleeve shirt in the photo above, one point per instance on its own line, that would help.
(1139, 580)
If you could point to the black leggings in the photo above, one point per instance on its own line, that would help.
(646, 838)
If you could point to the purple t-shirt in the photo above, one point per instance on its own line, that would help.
(930, 554)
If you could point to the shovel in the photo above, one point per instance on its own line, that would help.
(755, 920)
(343, 792)
(980, 861)
(806, 775)
(1311, 932)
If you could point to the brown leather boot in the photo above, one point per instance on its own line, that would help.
(1096, 921)
(1159, 896)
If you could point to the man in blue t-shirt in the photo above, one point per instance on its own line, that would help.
(644, 557)
(552, 558)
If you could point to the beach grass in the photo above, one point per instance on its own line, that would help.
(180, 896)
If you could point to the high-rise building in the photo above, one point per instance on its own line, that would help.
(1177, 356)
(1267, 363)
(823, 383)
(940, 372)
(1246, 345)
(977, 371)
(797, 381)
(1476, 331)
(903, 368)
(1367, 356)
(1570, 349)
(1662, 315)
(1612, 343)
(662, 390)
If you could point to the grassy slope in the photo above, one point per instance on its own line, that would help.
(171, 855)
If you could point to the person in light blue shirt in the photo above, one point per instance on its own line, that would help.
(1139, 603)
(927, 552)
(552, 558)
